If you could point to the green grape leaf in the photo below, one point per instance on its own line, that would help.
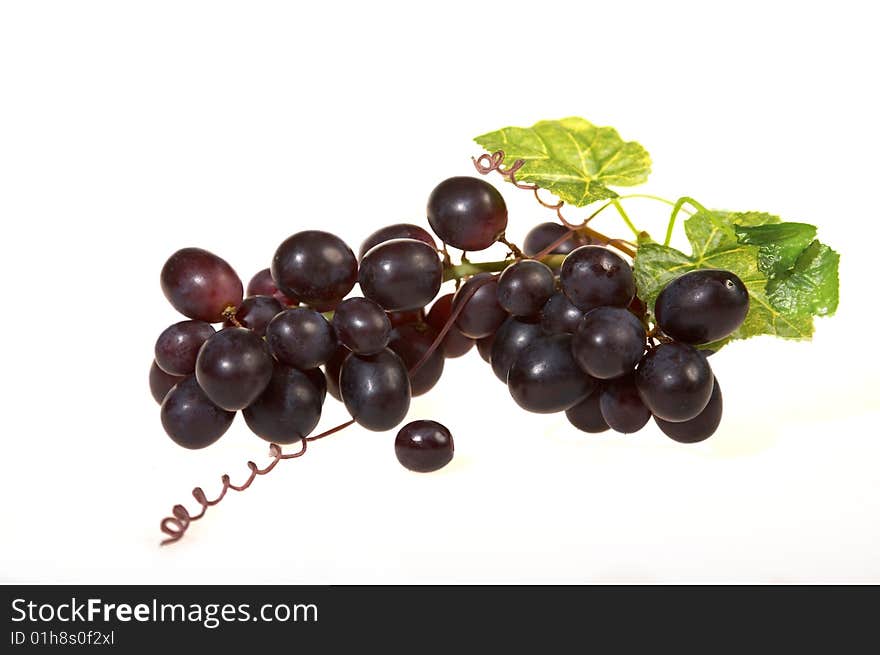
(810, 288)
(789, 276)
(779, 245)
(572, 158)
(748, 219)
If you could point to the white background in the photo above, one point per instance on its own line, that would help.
(128, 130)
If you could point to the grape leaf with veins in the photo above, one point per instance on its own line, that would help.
(572, 158)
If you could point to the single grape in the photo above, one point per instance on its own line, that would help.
(700, 427)
(525, 286)
(543, 234)
(482, 314)
(396, 231)
(455, 344)
(484, 347)
(190, 418)
(234, 367)
(424, 446)
(586, 416)
(560, 316)
(316, 267)
(467, 213)
(178, 346)
(200, 285)
(332, 369)
(319, 380)
(609, 342)
(406, 317)
(514, 335)
(411, 342)
(287, 410)
(593, 276)
(401, 274)
(545, 378)
(622, 407)
(362, 326)
(375, 389)
(161, 382)
(301, 337)
(702, 306)
(255, 313)
(674, 381)
(262, 284)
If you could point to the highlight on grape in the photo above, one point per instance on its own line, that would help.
(612, 331)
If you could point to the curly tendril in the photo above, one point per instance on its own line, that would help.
(487, 163)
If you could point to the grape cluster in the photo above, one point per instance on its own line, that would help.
(570, 338)
(580, 343)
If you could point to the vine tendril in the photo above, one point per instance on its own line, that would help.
(487, 163)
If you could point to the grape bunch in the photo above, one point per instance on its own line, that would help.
(580, 343)
(558, 321)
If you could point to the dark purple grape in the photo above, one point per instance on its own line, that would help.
(702, 306)
(178, 346)
(319, 380)
(190, 418)
(411, 342)
(482, 314)
(622, 407)
(375, 389)
(525, 286)
(467, 213)
(543, 234)
(262, 284)
(401, 275)
(397, 231)
(586, 416)
(332, 369)
(301, 337)
(316, 267)
(514, 335)
(287, 410)
(256, 312)
(593, 276)
(484, 347)
(455, 344)
(674, 381)
(200, 285)
(545, 378)
(362, 326)
(700, 427)
(234, 367)
(609, 342)
(161, 383)
(560, 316)
(407, 317)
(424, 446)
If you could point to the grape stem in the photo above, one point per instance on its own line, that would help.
(629, 224)
(229, 314)
(677, 207)
(514, 249)
(469, 268)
